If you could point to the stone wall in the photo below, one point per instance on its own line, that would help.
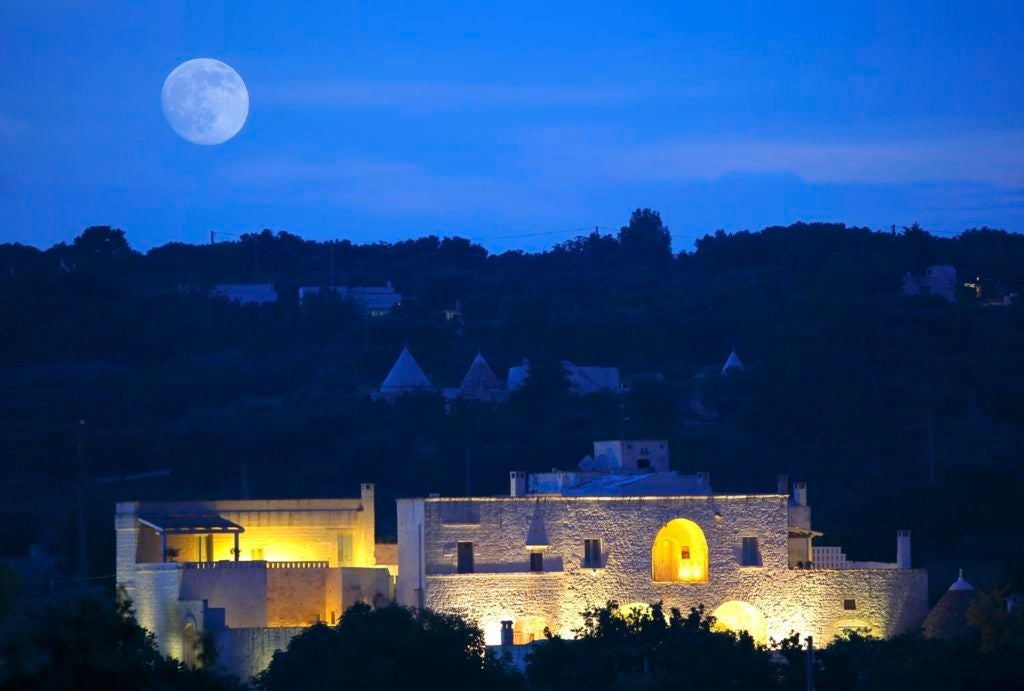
(247, 652)
(296, 597)
(502, 587)
(153, 590)
(239, 588)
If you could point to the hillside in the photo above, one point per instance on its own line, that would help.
(899, 411)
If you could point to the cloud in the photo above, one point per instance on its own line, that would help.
(441, 96)
(996, 158)
(378, 186)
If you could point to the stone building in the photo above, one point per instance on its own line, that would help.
(248, 573)
(405, 377)
(624, 527)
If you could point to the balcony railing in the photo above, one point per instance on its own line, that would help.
(205, 565)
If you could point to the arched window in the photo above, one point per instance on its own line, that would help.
(737, 616)
(680, 553)
(528, 629)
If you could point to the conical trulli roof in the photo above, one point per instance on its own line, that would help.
(948, 619)
(733, 362)
(479, 378)
(405, 376)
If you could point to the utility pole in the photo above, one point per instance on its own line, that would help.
(82, 563)
(255, 255)
(213, 235)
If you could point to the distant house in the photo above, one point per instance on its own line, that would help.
(246, 293)
(480, 383)
(583, 380)
(939, 279)
(405, 377)
(376, 301)
(732, 363)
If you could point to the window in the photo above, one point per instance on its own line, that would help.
(536, 561)
(679, 553)
(592, 553)
(750, 554)
(849, 603)
(465, 557)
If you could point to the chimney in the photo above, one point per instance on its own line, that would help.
(903, 549)
(517, 483)
(782, 484)
(800, 493)
(506, 632)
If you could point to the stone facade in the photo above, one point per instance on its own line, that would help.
(502, 584)
(297, 562)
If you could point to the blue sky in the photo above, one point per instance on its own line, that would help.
(519, 125)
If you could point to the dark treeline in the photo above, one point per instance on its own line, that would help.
(851, 385)
(89, 643)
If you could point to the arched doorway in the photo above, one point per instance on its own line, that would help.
(190, 644)
(680, 553)
(528, 629)
(737, 616)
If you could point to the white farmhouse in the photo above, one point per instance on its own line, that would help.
(624, 527)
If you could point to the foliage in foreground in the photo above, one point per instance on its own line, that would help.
(89, 644)
(387, 648)
(616, 650)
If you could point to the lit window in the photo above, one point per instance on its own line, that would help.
(465, 557)
(750, 554)
(536, 561)
(849, 603)
(592, 553)
(679, 553)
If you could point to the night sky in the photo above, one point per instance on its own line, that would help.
(519, 126)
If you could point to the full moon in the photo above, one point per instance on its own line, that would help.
(205, 101)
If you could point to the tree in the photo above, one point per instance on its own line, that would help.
(88, 643)
(102, 240)
(644, 648)
(646, 239)
(387, 648)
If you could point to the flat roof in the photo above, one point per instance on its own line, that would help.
(190, 525)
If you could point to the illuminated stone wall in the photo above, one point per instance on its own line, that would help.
(503, 588)
(247, 652)
(256, 595)
(295, 597)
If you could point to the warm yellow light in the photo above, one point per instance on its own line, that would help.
(528, 629)
(844, 626)
(737, 616)
(680, 553)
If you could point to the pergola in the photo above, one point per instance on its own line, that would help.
(206, 524)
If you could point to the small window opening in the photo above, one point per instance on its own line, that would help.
(465, 557)
(592, 553)
(849, 603)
